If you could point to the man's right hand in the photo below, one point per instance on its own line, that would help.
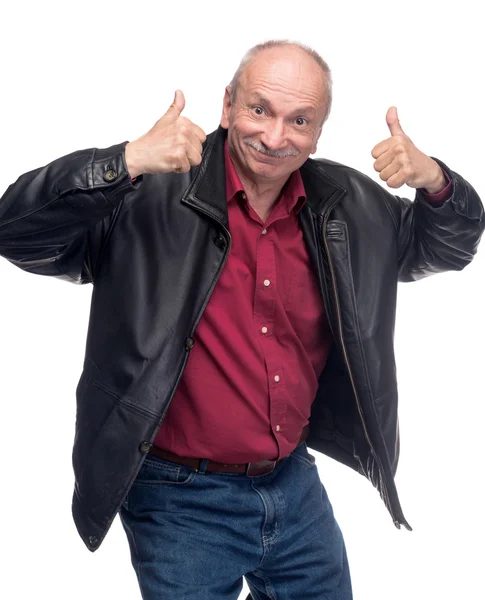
(173, 144)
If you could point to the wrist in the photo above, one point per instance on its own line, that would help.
(438, 184)
(132, 164)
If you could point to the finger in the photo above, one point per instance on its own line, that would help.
(177, 105)
(198, 132)
(181, 165)
(389, 171)
(383, 161)
(396, 180)
(381, 148)
(194, 153)
(189, 129)
(195, 141)
(393, 122)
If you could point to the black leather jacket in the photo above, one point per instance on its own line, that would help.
(154, 250)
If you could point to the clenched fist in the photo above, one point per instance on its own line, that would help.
(399, 162)
(173, 144)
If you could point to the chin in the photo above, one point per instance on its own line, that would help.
(267, 168)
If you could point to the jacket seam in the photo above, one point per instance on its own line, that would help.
(32, 212)
(124, 401)
(114, 217)
(391, 213)
(61, 269)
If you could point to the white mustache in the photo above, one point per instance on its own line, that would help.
(273, 153)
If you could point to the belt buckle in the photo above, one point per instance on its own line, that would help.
(248, 468)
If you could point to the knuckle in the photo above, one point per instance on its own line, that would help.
(178, 153)
(408, 168)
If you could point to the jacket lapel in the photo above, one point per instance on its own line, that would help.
(207, 190)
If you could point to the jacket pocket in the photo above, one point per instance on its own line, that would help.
(108, 450)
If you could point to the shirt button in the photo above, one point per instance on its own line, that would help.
(276, 378)
(266, 282)
(264, 329)
(277, 427)
(243, 196)
(264, 232)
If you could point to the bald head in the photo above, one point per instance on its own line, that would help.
(296, 55)
(274, 111)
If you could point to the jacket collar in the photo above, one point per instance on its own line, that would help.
(207, 190)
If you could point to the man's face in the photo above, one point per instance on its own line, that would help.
(277, 116)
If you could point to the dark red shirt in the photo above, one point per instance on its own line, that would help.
(261, 344)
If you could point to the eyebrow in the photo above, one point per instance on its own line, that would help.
(303, 110)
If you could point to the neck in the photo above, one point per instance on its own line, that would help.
(261, 195)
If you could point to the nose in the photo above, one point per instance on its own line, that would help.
(273, 135)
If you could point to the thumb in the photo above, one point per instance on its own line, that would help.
(393, 122)
(177, 105)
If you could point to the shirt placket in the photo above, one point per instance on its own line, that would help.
(264, 320)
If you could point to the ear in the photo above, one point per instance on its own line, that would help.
(315, 142)
(226, 108)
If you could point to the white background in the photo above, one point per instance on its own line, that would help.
(78, 75)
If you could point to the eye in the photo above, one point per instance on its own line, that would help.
(258, 111)
(301, 121)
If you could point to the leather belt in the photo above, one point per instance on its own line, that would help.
(263, 467)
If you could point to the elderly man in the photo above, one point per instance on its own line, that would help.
(243, 310)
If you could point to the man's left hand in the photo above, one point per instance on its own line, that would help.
(399, 162)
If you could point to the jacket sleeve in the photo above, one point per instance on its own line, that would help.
(437, 238)
(55, 219)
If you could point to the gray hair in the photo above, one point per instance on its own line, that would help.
(255, 50)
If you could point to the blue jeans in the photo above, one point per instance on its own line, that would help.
(195, 535)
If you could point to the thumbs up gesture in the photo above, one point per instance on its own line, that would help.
(173, 144)
(399, 162)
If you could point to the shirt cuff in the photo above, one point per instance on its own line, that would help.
(442, 196)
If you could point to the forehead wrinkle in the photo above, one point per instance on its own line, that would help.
(298, 84)
(307, 89)
(272, 93)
